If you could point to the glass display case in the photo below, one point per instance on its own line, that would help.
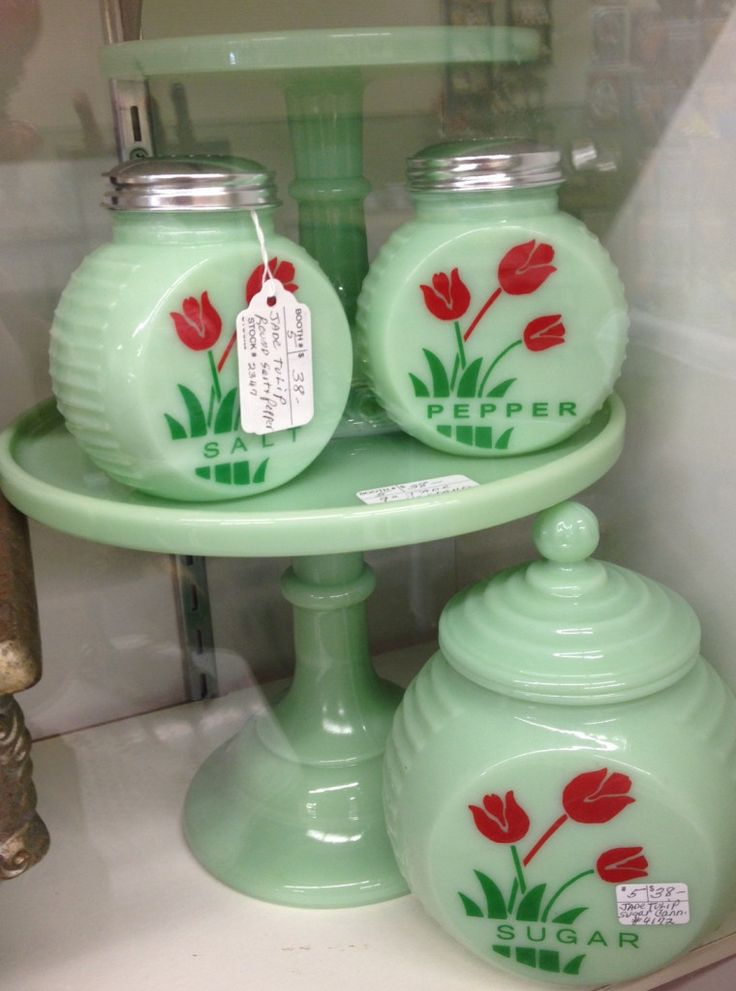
(167, 628)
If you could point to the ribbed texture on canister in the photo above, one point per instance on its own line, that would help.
(708, 719)
(427, 705)
(77, 361)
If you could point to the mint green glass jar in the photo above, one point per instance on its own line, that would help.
(560, 779)
(143, 362)
(491, 324)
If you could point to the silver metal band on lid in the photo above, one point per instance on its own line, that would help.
(190, 184)
(485, 164)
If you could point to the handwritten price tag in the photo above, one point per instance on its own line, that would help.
(653, 904)
(415, 490)
(274, 336)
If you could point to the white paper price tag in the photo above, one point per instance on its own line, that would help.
(415, 490)
(653, 904)
(274, 340)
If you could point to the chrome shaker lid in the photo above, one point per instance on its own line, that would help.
(190, 184)
(482, 165)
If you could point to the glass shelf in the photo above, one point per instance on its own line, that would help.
(121, 904)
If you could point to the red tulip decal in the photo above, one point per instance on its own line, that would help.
(215, 413)
(282, 271)
(544, 332)
(448, 298)
(597, 796)
(521, 271)
(592, 797)
(625, 863)
(525, 267)
(501, 820)
(199, 325)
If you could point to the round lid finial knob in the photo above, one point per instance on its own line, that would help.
(566, 533)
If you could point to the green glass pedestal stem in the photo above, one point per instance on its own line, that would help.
(325, 114)
(290, 810)
(337, 708)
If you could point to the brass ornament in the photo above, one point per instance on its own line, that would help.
(24, 838)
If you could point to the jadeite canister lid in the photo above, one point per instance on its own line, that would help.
(482, 165)
(190, 184)
(570, 629)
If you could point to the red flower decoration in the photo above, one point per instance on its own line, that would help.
(199, 325)
(596, 796)
(283, 272)
(525, 267)
(448, 297)
(625, 863)
(501, 820)
(544, 332)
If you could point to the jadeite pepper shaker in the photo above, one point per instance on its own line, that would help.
(143, 361)
(560, 781)
(491, 323)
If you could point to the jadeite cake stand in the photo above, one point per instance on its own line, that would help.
(290, 810)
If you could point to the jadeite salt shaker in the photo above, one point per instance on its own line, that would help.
(560, 779)
(491, 323)
(143, 361)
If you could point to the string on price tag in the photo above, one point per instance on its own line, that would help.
(274, 347)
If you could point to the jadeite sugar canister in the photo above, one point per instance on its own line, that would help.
(560, 779)
(491, 323)
(143, 361)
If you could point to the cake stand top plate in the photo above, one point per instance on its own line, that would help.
(348, 48)
(45, 474)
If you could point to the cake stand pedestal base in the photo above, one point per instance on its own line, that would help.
(290, 810)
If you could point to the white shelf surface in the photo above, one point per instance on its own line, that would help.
(119, 902)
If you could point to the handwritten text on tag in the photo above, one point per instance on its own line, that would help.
(275, 362)
(653, 904)
(415, 490)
